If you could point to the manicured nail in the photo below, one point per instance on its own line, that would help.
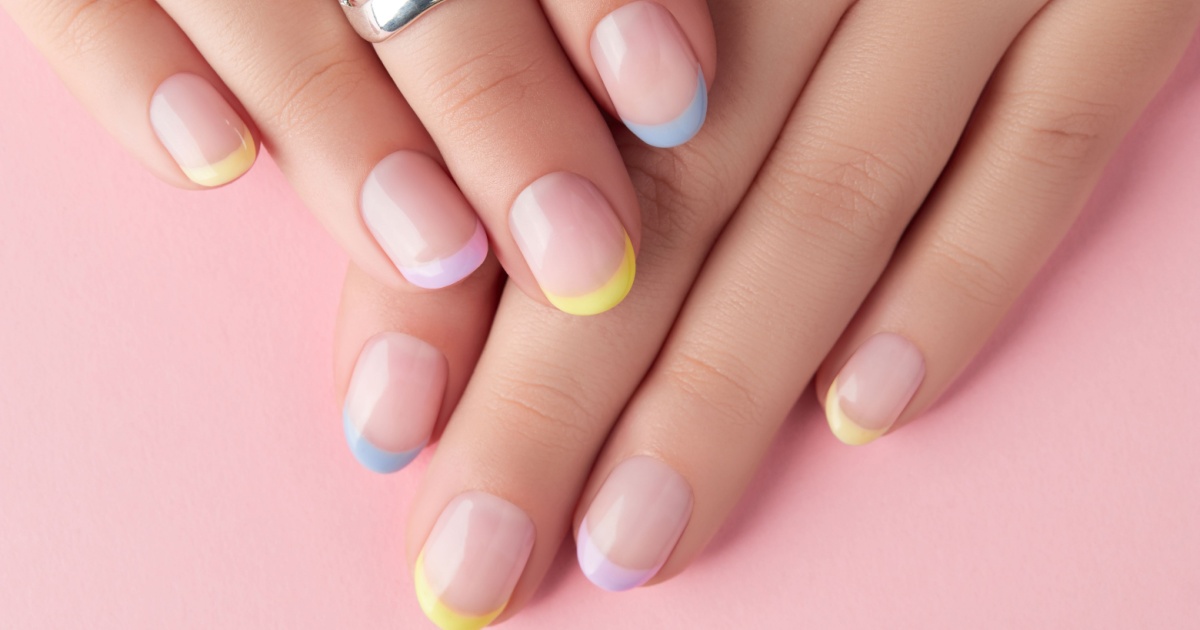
(633, 524)
(574, 244)
(651, 73)
(394, 399)
(472, 560)
(209, 142)
(422, 221)
(873, 389)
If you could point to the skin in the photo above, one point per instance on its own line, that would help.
(295, 71)
(771, 247)
(775, 243)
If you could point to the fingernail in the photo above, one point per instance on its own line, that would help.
(207, 139)
(651, 73)
(873, 389)
(633, 524)
(423, 222)
(574, 244)
(393, 402)
(472, 560)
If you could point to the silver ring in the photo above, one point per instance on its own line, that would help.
(377, 20)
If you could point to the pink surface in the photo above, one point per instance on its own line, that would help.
(171, 452)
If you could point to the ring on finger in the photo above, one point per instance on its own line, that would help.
(377, 20)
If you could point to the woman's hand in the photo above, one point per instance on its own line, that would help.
(498, 88)
(877, 182)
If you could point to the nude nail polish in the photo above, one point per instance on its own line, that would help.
(651, 73)
(574, 244)
(208, 140)
(393, 401)
(873, 388)
(633, 524)
(472, 560)
(422, 221)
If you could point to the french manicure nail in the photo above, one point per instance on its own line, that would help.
(422, 221)
(873, 388)
(651, 73)
(472, 560)
(208, 140)
(574, 244)
(633, 524)
(393, 402)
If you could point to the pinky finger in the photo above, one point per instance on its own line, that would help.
(136, 71)
(1039, 140)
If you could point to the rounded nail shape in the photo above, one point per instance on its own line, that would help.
(472, 560)
(651, 73)
(873, 388)
(574, 244)
(633, 524)
(422, 221)
(208, 140)
(393, 402)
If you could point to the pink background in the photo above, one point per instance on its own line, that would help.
(171, 453)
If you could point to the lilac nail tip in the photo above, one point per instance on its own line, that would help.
(372, 457)
(683, 128)
(452, 269)
(604, 573)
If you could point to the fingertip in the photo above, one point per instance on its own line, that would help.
(201, 131)
(372, 457)
(843, 428)
(680, 130)
(651, 72)
(606, 297)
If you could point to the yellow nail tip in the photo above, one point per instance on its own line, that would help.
(439, 613)
(232, 167)
(844, 428)
(607, 296)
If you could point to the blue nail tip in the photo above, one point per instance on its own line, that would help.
(372, 457)
(678, 131)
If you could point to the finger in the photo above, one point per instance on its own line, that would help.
(648, 62)
(1050, 120)
(402, 360)
(343, 135)
(495, 500)
(804, 247)
(169, 109)
(528, 146)
(548, 387)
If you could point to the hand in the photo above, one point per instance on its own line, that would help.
(870, 231)
(191, 87)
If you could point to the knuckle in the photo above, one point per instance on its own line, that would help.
(545, 411)
(467, 93)
(973, 275)
(83, 27)
(310, 87)
(852, 195)
(715, 380)
(1055, 130)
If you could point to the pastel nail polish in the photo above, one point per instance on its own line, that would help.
(208, 140)
(651, 73)
(472, 560)
(422, 221)
(574, 244)
(633, 524)
(873, 388)
(393, 402)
